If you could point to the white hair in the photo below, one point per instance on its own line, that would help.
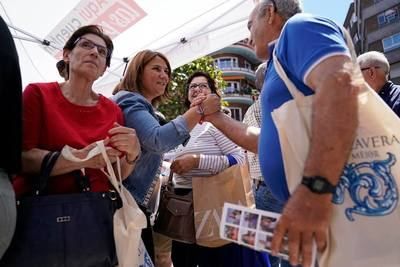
(285, 8)
(374, 59)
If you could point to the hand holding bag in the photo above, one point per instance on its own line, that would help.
(175, 217)
(365, 224)
(232, 185)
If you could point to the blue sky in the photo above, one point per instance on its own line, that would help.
(333, 9)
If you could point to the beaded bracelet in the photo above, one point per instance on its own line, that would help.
(200, 111)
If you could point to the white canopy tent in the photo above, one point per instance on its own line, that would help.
(181, 29)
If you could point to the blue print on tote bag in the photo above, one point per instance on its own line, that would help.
(371, 186)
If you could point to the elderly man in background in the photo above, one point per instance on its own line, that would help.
(375, 69)
(313, 51)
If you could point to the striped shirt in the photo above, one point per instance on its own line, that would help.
(253, 118)
(213, 148)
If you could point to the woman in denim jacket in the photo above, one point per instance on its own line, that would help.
(144, 85)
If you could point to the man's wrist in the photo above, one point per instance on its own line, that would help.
(318, 184)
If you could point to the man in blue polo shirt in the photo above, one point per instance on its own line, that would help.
(314, 54)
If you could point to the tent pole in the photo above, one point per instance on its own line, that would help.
(41, 41)
(26, 39)
(219, 17)
(200, 32)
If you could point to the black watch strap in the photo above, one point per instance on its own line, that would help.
(318, 184)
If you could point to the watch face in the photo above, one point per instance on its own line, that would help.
(318, 185)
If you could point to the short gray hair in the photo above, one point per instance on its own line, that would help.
(260, 75)
(374, 59)
(285, 8)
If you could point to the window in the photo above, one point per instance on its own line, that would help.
(355, 38)
(353, 18)
(232, 87)
(247, 65)
(226, 62)
(236, 113)
(391, 42)
(388, 16)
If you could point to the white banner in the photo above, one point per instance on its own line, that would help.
(115, 16)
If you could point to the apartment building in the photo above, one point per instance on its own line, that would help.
(375, 26)
(238, 63)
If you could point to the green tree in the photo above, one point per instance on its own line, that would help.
(175, 105)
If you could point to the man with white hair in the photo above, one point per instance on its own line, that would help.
(313, 52)
(375, 69)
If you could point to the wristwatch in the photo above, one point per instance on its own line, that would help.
(318, 184)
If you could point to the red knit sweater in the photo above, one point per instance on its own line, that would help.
(50, 121)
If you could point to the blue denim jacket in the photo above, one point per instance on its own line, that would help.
(154, 139)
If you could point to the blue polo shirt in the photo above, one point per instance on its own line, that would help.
(305, 41)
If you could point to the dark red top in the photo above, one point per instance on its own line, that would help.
(50, 121)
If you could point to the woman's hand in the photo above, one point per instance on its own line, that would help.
(185, 163)
(210, 103)
(198, 100)
(124, 139)
(96, 162)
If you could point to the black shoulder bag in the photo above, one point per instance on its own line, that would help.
(63, 230)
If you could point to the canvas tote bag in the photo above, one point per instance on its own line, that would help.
(232, 185)
(129, 220)
(366, 216)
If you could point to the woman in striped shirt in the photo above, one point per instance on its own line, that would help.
(207, 153)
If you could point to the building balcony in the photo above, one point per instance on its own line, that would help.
(383, 32)
(393, 56)
(374, 9)
(236, 69)
(238, 73)
(240, 49)
(243, 92)
(238, 98)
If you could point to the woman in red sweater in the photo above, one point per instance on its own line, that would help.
(71, 113)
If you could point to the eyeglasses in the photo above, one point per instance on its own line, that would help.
(89, 45)
(201, 86)
(372, 67)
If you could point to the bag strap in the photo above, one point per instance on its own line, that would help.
(115, 179)
(46, 167)
(297, 95)
(350, 44)
(171, 175)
